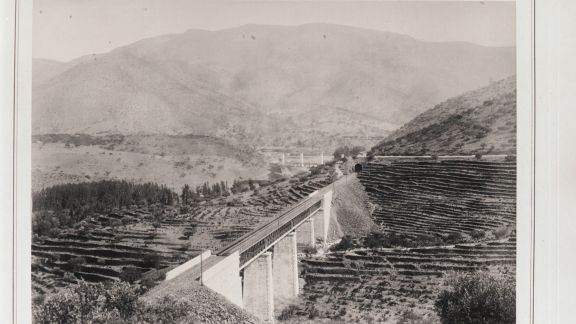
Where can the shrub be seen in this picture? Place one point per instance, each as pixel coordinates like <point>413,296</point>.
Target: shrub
<point>456,237</point>
<point>478,298</point>
<point>502,232</point>
<point>477,234</point>
<point>377,240</point>
<point>288,313</point>
<point>510,158</point>
<point>152,260</point>
<point>88,303</point>
<point>313,312</point>
<point>387,240</point>
<point>478,156</point>
<point>184,247</point>
<point>166,310</point>
<point>77,263</point>
<point>130,274</point>
<point>310,250</point>
<point>345,243</point>
<point>151,278</point>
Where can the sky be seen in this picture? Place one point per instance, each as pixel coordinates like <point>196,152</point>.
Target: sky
<point>67,29</point>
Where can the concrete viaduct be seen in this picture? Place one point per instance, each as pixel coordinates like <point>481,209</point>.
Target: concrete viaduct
<point>262,266</point>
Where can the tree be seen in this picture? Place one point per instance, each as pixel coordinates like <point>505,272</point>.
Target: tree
<point>186,195</point>
<point>478,298</point>
<point>357,150</point>
<point>342,150</point>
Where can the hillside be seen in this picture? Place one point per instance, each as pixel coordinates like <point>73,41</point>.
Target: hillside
<point>255,82</point>
<point>435,220</point>
<point>481,121</point>
<point>170,160</point>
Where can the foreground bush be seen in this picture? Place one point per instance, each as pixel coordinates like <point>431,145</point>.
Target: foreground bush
<point>119,303</point>
<point>478,298</point>
<point>89,303</point>
<point>113,303</point>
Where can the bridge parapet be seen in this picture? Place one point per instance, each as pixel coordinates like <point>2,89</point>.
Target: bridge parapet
<point>265,237</point>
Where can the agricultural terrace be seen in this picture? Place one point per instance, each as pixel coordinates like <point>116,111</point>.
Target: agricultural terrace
<point>436,219</point>
<point>147,240</point>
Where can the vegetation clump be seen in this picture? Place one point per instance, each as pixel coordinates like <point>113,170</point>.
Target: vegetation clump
<point>345,151</point>
<point>478,298</point>
<point>66,205</point>
<point>346,243</point>
<point>376,240</point>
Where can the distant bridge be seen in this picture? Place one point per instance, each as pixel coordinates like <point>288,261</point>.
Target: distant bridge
<point>301,159</point>
<point>262,265</point>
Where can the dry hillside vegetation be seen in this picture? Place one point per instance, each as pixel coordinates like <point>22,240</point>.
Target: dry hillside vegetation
<point>172,160</point>
<point>481,121</point>
<point>353,209</point>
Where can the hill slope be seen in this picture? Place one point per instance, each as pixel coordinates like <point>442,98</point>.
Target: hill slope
<point>248,81</point>
<point>481,121</point>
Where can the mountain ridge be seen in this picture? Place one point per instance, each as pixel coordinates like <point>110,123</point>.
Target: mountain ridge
<point>237,81</point>
<point>482,121</point>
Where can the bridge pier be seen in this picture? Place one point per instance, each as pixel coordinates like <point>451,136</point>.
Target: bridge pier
<point>322,218</point>
<point>305,232</point>
<point>258,288</point>
<point>285,268</point>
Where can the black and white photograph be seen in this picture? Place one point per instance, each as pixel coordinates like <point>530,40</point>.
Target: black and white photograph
<point>273,162</point>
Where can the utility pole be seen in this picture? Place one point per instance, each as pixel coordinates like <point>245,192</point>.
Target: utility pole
<point>302,159</point>
<point>322,157</point>
<point>283,159</point>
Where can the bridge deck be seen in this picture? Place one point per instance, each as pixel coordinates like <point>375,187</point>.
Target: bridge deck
<point>257,241</point>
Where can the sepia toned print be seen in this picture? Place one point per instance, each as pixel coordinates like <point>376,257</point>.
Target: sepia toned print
<point>275,162</point>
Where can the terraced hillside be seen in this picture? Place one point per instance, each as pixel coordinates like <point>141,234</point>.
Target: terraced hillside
<point>380,285</point>
<point>436,218</point>
<point>144,238</point>
<point>442,197</point>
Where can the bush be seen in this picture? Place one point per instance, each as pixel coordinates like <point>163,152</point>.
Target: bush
<point>477,234</point>
<point>288,313</point>
<point>166,310</point>
<point>313,312</point>
<point>345,243</point>
<point>151,278</point>
<point>478,156</point>
<point>502,232</point>
<point>387,240</point>
<point>510,158</point>
<point>310,250</point>
<point>184,247</point>
<point>130,274</point>
<point>478,298</point>
<point>77,263</point>
<point>89,303</point>
<point>456,237</point>
<point>152,260</point>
